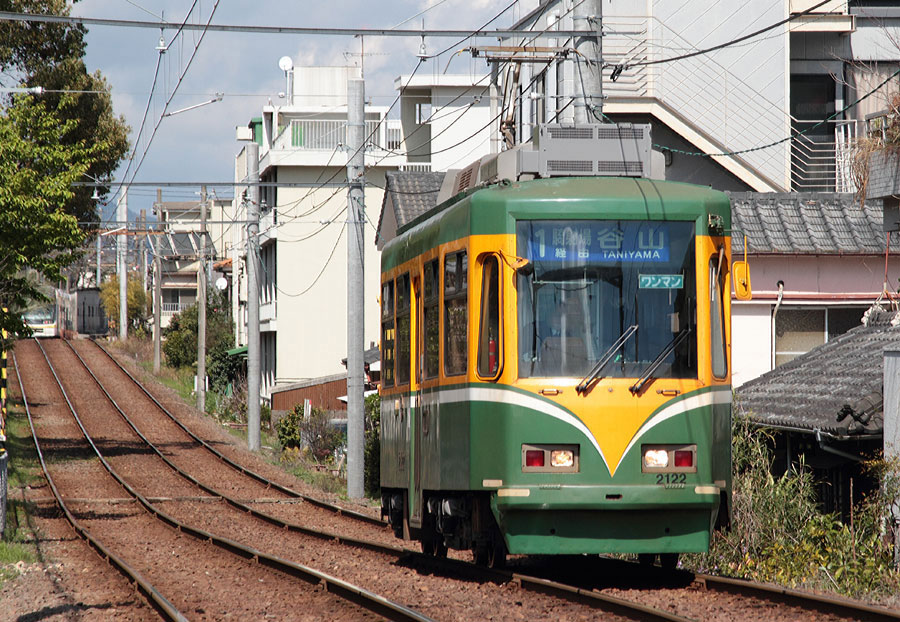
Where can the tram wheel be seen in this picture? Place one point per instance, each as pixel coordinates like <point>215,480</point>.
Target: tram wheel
<point>496,554</point>
<point>646,559</point>
<point>669,561</point>
<point>480,554</point>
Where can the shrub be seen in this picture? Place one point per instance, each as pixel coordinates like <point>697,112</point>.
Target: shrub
<point>779,535</point>
<point>314,432</point>
<point>372,475</point>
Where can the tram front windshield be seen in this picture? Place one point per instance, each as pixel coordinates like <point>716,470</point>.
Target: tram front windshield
<point>591,282</point>
<point>40,315</point>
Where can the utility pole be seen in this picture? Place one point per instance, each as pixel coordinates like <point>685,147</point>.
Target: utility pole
<point>495,108</point>
<point>588,54</point>
<point>253,358</point>
<point>157,311</point>
<point>121,251</point>
<point>143,247</point>
<point>356,130</point>
<point>201,308</point>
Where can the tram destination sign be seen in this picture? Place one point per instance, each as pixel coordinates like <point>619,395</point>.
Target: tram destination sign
<point>592,242</point>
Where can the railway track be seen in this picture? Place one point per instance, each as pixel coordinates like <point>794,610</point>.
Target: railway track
<point>403,560</point>
<point>247,564</point>
<point>588,595</point>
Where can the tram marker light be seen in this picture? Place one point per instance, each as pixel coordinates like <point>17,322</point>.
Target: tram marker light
<point>684,458</point>
<point>656,458</point>
<point>534,458</point>
<point>562,458</point>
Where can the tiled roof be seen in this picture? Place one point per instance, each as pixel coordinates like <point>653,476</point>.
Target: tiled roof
<point>411,194</point>
<point>807,223</point>
<point>835,388</point>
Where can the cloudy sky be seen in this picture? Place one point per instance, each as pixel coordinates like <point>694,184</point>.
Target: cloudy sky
<point>199,145</point>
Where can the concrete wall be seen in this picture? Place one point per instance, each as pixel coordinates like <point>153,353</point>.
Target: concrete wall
<point>312,318</point>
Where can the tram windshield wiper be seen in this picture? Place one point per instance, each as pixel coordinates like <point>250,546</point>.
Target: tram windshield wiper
<point>606,358</point>
<point>648,372</point>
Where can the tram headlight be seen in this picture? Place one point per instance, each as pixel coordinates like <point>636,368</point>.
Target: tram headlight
<point>656,458</point>
<point>562,458</point>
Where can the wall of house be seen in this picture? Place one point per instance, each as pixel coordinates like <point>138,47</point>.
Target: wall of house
<point>462,113</point>
<point>842,285</point>
<point>311,255</point>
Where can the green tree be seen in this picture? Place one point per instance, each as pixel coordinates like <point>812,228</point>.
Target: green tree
<point>138,302</point>
<point>181,340</point>
<point>49,55</point>
<point>372,475</point>
<point>38,164</point>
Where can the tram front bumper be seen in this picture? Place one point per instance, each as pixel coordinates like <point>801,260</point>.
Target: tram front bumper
<point>606,519</point>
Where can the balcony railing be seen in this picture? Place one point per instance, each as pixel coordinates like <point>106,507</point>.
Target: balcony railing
<point>821,160</point>
<point>171,308</point>
<point>327,135</point>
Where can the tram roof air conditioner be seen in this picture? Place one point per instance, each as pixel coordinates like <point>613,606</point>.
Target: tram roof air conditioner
<point>596,149</point>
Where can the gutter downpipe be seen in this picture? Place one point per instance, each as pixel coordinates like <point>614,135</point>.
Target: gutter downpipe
<point>832,450</point>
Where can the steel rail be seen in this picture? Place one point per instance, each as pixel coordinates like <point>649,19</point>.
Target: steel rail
<point>248,472</point>
<point>360,596</point>
<point>153,596</point>
<point>804,600</point>
<point>534,584</point>
<point>243,507</point>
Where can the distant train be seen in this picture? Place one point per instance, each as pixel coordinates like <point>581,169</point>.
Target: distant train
<point>556,361</point>
<point>70,313</point>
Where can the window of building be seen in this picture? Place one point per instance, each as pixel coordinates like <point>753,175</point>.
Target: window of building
<point>423,112</point>
<point>799,330</point>
<point>489,331</point>
<point>431,336</point>
<point>455,313</point>
<point>387,334</point>
<point>403,330</point>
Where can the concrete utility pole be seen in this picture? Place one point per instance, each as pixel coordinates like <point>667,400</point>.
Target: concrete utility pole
<point>588,75</point>
<point>122,270</point>
<point>157,311</point>
<point>201,308</point>
<point>356,135</point>
<point>253,358</point>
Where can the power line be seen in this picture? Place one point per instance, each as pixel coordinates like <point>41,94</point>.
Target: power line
<point>278,30</point>
<point>175,90</point>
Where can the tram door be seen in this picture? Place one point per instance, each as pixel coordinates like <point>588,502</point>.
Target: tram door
<point>415,514</point>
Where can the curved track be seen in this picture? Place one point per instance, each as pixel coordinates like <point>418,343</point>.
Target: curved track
<point>372,555</point>
<point>234,563</point>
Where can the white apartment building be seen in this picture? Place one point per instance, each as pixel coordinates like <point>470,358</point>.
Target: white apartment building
<point>303,312</point>
<point>760,101</point>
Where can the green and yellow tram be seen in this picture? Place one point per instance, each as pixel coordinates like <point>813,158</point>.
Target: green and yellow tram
<point>556,369</point>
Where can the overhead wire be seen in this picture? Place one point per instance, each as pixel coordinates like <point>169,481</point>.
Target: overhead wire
<point>174,90</point>
<point>137,139</point>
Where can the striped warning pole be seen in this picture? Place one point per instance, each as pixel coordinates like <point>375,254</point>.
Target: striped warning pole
<point>4,457</point>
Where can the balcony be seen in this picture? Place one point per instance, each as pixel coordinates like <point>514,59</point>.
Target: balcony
<point>328,135</point>
<point>171,308</point>
<point>830,17</point>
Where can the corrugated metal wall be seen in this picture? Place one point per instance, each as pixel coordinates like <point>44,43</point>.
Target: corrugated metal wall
<point>322,396</point>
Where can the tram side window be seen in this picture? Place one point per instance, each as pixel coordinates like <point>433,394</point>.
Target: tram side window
<point>456,268</point>
<point>432,320</point>
<point>403,330</point>
<point>387,334</point>
<point>717,319</point>
<point>489,332</point>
